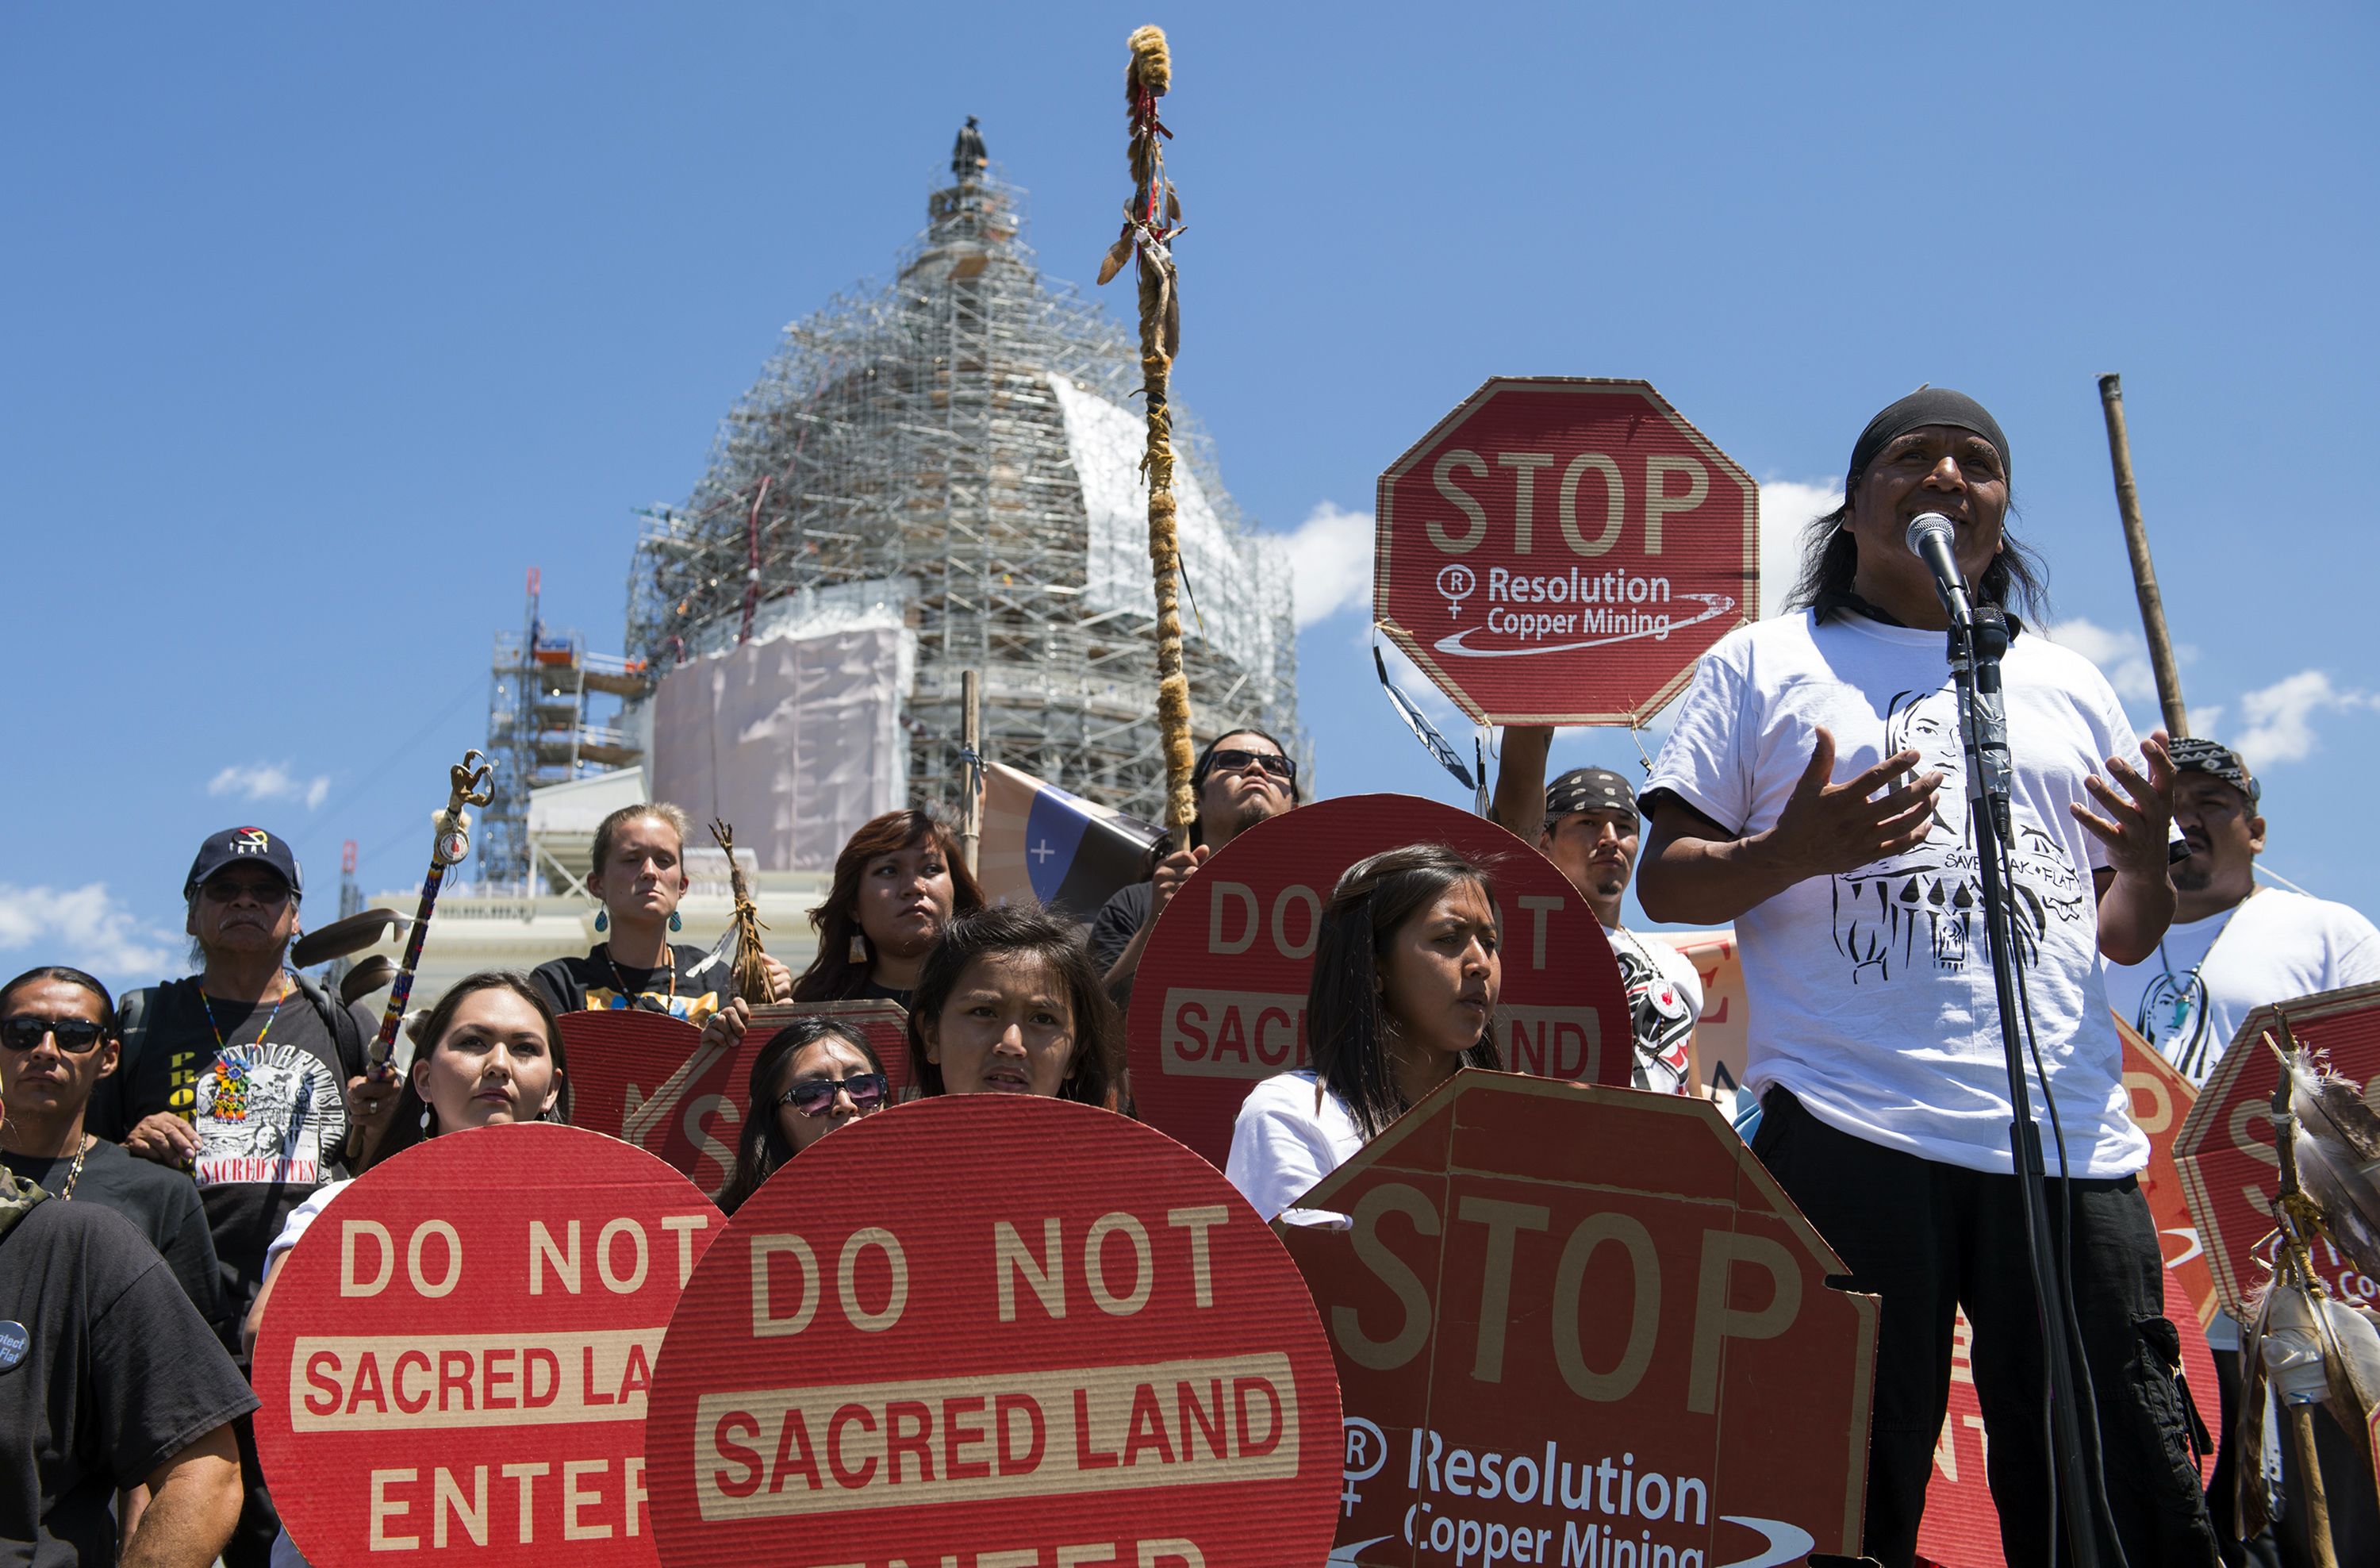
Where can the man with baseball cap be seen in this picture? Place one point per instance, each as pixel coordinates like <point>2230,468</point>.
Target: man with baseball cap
<point>238,1075</point>
<point>2234,946</point>
<point>1586,824</point>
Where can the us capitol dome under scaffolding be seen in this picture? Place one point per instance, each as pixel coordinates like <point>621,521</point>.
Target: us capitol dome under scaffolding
<point>939,475</point>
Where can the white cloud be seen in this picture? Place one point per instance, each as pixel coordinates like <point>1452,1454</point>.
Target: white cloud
<point>2122,657</point>
<point>1787,508</point>
<point>270,781</point>
<point>1329,563</point>
<point>84,927</point>
<point>2280,718</point>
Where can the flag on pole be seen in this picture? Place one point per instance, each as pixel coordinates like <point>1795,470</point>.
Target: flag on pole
<point>1041,842</point>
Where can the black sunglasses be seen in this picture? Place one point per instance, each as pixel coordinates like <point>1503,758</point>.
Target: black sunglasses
<point>1232,759</point>
<point>24,1031</point>
<point>813,1096</point>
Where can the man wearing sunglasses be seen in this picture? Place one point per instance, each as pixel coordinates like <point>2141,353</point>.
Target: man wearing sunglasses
<point>109,1381</point>
<point>58,1042</point>
<point>237,1075</point>
<point>1242,777</point>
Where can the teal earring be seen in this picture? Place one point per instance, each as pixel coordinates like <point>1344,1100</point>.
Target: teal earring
<point>602,920</point>
<point>676,924</point>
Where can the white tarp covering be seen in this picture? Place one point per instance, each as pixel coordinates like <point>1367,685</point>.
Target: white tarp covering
<point>1237,579</point>
<point>795,740</point>
<point>580,806</point>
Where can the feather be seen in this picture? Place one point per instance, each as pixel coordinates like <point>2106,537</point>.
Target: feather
<point>2337,1147</point>
<point>1118,254</point>
<point>1173,203</point>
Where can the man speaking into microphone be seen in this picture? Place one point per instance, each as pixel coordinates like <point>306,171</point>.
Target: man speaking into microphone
<point>1814,793</point>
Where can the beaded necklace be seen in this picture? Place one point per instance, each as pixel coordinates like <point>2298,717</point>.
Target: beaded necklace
<point>633,1000</point>
<point>74,1175</point>
<point>222,1044</point>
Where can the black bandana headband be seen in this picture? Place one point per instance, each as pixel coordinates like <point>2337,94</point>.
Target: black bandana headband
<point>2193,754</point>
<point>1926,405</point>
<point>1587,789</point>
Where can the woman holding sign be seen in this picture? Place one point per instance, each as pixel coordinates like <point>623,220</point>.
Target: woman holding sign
<point>1008,1003</point>
<point>639,871</point>
<point>1406,973</point>
<point>897,884</point>
<point>812,1077</point>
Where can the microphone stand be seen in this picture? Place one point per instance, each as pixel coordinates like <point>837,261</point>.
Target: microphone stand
<point>1978,637</point>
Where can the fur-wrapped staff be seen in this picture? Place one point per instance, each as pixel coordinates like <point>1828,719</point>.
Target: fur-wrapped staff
<point>1152,221</point>
<point>2309,1347</point>
<point>450,841</point>
<point>752,980</point>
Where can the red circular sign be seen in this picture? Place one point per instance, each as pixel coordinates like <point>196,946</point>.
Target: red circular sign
<point>1219,1001</point>
<point>456,1359</point>
<point>1561,550</point>
<point>1007,1330</point>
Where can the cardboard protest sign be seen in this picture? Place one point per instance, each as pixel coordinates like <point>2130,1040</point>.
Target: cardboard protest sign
<point>993,1330</point>
<point>1962,1527</point>
<point>1720,1037</point>
<point>1581,1325</point>
<point>2161,1097</point>
<point>456,1360</point>
<point>1220,1000</point>
<point>2229,1171</point>
<point>1559,550</point>
<point>648,1079</point>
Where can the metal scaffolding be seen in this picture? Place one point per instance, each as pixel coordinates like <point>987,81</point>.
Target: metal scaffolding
<point>960,442</point>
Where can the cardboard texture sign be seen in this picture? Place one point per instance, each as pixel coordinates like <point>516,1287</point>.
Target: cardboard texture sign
<point>648,1079</point>
<point>2229,1171</point>
<point>455,1363</point>
<point>1722,1034</point>
<point>993,1331</point>
<point>2161,1098</point>
<point>1559,550</point>
<point>1220,1000</point>
<point>1584,1326</point>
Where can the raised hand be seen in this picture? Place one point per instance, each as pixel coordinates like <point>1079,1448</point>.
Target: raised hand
<point>2138,819</point>
<point>1826,829</point>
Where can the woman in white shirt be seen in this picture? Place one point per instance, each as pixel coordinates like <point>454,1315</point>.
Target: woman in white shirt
<point>1406,973</point>
<point>487,1053</point>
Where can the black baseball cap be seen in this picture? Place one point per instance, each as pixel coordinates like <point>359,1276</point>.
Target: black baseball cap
<point>243,846</point>
<point>2193,754</point>
<point>1587,789</point>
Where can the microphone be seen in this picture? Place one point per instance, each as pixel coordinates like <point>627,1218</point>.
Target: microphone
<point>1930,535</point>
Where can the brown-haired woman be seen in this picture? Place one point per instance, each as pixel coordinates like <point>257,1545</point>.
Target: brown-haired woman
<point>897,884</point>
<point>1008,1003</point>
<point>1407,974</point>
<point>639,871</point>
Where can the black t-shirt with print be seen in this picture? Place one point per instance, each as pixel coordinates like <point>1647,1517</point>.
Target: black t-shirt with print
<point>120,1374</point>
<point>593,983</point>
<point>162,1205</point>
<point>271,1118</point>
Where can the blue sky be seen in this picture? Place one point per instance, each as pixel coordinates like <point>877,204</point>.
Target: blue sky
<point>322,326</point>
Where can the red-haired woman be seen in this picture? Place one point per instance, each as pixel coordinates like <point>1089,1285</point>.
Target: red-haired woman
<point>897,884</point>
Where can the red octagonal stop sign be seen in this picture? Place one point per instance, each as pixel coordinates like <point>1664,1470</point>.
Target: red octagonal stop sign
<point>1559,550</point>
<point>988,1331</point>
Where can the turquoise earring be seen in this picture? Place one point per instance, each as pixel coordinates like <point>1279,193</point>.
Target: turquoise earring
<point>602,920</point>
<point>676,924</point>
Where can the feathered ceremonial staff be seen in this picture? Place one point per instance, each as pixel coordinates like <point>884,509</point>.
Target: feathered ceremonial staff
<point>450,841</point>
<point>2307,1346</point>
<point>745,927</point>
<point>1152,221</point>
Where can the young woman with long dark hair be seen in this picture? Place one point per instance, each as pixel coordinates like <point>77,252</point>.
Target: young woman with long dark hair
<point>1407,969</point>
<point>1008,1003</point>
<point>898,881</point>
<point>813,1075</point>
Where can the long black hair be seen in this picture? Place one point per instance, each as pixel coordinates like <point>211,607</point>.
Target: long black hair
<point>762,1147</point>
<point>834,974</point>
<point>1346,1029</point>
<point>411,1121</point>
<point>1098,1063</point>
<point>2017,580</point>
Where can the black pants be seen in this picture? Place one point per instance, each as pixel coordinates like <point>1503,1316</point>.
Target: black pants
<point>1929,1238</point>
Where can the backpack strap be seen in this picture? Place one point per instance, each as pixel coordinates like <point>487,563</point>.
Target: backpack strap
<point>345,1033</point>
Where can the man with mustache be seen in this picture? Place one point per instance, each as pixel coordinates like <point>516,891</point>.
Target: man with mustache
<point>2232,947</point>
<point>237,1075</point>
<point>1586,824</point>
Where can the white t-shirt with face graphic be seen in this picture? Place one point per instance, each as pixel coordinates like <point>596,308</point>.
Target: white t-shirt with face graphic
<point>1872,992</point>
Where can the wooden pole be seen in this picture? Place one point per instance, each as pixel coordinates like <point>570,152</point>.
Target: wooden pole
<point>971,741</point>
<point>1152,220</point>
<point>2136,542</point>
